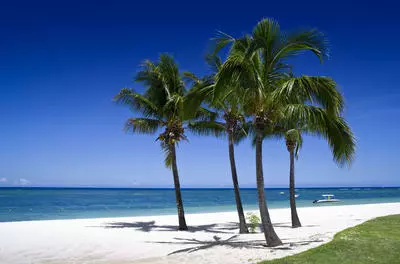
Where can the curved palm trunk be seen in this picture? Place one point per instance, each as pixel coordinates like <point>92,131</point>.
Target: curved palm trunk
<point>295,217</point>
<point>178,196</point>
<point>242,221</point>
<point>270,236</point>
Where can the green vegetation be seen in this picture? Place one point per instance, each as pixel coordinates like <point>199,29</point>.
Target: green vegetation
<point>252,91</point>
<point>164,106</point>
<point>254,221</point>
<point>231,125</point>
<point>376,241</point>
<point>258,71</point>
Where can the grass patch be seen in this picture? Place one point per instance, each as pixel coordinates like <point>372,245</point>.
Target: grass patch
<point>375,241</point>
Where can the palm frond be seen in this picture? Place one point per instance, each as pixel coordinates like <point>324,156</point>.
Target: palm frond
<point>174,106</point>
<point>298,42</point>
<point>341,140</point>
<point>137,102</point>
<point>207,128</point>
<point>167,153</point>
<point>191,77</point>
<point>200,92</point>
<point>270,132</point>
<point>221,40</point>
<point>142,125</point>
<point>265,36</point>
<point>316,121</point>
<point>300,115</point>
<point>214,62</point>
<point>320,90</point>
<point>235,72</point>
<point>299,145</point>
<point>150,76</point>
<point>148,73</point>
<point>169,72</point>
<point>205,114</point>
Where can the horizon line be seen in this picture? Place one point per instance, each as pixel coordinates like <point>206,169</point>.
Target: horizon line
<point>187,188</point>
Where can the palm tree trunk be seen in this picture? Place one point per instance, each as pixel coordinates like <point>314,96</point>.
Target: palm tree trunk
<point>242,221</point>
<point>178,196</point>
<point>270,236</point>
<point>295,217</point>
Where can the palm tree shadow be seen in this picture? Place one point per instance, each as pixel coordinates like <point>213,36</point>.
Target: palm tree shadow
<point>231,242</point>
<point>222,228</point>
<point>152,226</point>
<point>217,241</point>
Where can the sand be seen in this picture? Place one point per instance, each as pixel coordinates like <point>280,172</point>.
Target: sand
<point>213,237</point>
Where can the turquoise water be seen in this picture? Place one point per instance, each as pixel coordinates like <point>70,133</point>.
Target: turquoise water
<point>22,204</point>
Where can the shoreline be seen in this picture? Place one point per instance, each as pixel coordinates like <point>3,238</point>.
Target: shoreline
<point>212,237</point>
<point>255,210</point>
<point>56,204</point>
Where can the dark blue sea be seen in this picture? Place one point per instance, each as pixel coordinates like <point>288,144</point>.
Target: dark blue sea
<point>23,204</point>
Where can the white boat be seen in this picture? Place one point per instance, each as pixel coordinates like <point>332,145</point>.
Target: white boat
<point>328,198</point>
<point>296,195</point>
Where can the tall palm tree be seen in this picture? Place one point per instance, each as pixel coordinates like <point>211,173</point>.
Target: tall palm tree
<point>163,106</point>
<point>316,117</point>
<point>255,68</point>
<point>336,131</point>
<point>232,125</point>
<point>293,142</point>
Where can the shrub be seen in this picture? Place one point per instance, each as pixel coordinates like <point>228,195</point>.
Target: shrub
<point>254,221</point>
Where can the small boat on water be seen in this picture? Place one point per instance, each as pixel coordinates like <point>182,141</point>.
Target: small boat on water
<point>296,195</point>
<point>328,198</point>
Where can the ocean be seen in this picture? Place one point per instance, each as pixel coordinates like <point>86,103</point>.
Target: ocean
<point>25,204</point>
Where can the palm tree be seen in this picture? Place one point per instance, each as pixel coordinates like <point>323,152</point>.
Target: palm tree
<point>233,126</point>
<point>293,142</point>
<point>319,117</point>
<point>255,68</point>
<point>342,142</point>
<point>163,106</point>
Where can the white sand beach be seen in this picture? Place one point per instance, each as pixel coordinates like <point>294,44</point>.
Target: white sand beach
<point>213,237</point>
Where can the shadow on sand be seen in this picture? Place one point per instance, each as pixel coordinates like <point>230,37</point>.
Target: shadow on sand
<point>231,242</point>
<point>223,228</point>
<point>152,226</point>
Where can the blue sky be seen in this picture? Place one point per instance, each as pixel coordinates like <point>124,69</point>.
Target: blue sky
<point>61,62</point>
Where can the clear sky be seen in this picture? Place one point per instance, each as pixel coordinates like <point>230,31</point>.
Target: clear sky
<point>61,62</point>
